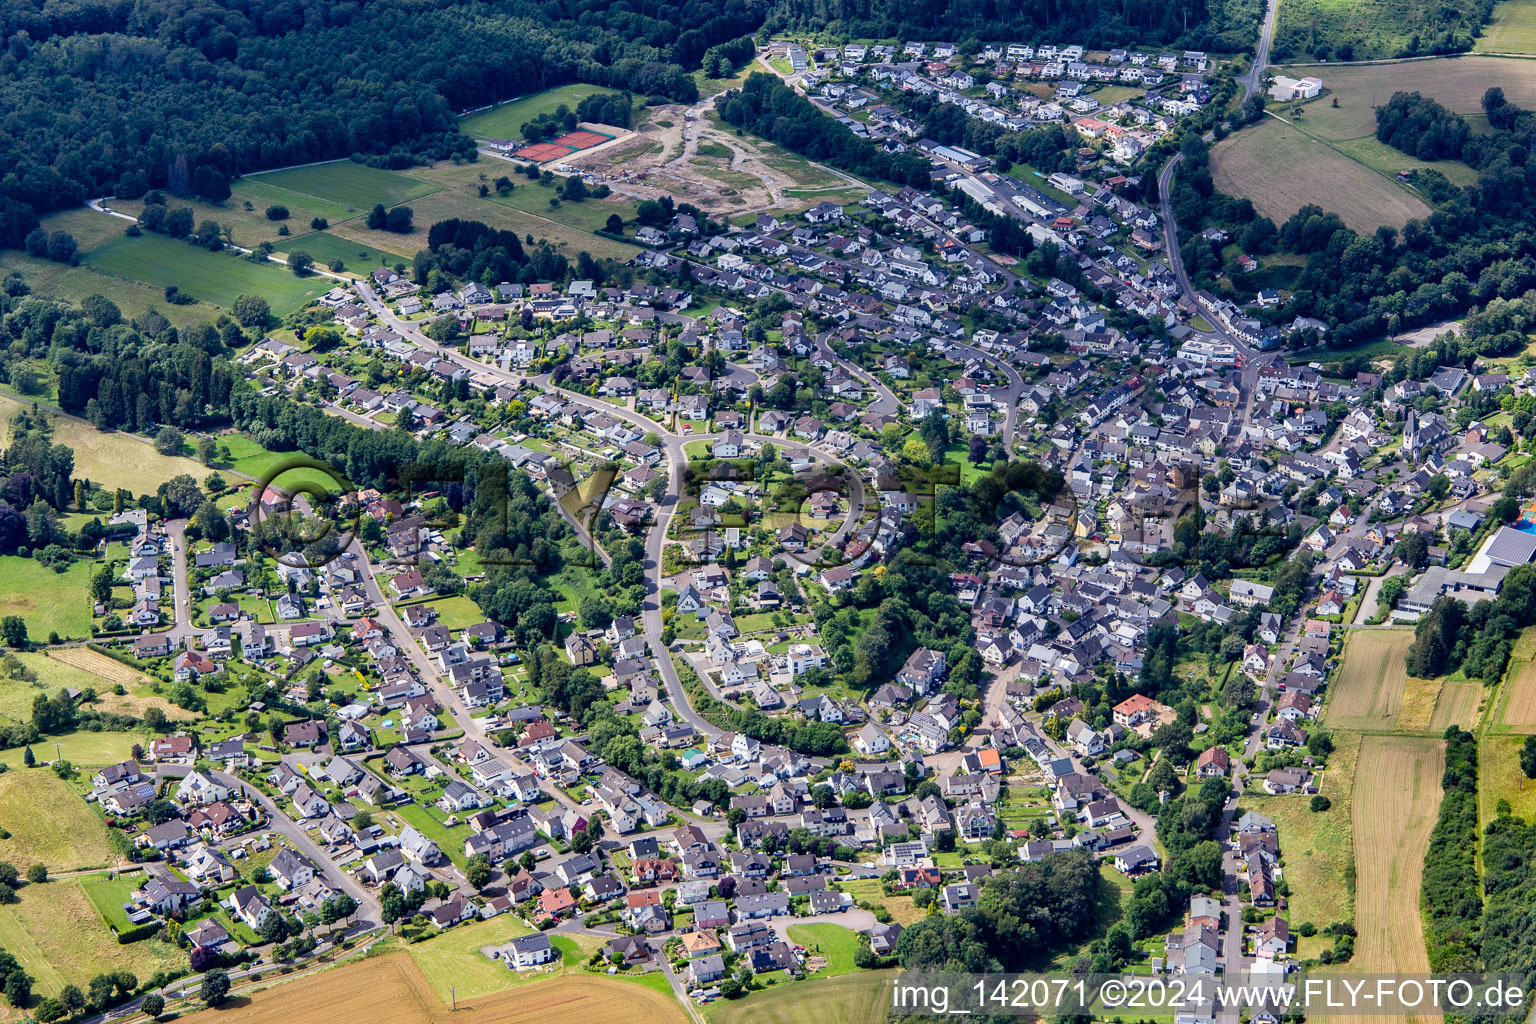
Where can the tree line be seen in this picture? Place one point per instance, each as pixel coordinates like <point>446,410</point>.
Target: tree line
<point>766,107</point>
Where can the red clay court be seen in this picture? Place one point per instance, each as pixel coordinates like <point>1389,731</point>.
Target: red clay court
<point>582,139</point>
<point>543,152</point>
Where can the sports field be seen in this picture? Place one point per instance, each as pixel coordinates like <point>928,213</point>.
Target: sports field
<point>1512,29</point>
<point>1367,689</point>
<point>1397,795</point>
<point>57,934</point>
<point>1281,168</point>
<point>506,120</point>
<point>49,823</point>
<point>392,990</point>
<point>51,602</point>
<point>217,278</point>
<point>108,459</point>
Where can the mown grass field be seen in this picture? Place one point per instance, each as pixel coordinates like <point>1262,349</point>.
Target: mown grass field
<point>60,939</point>
<point>1367,689</point>
<point>288,470</point>
<point>215,278</point>
<point>347,186</point>
<point>49,823</point>
<point>1317,848</point>
<point>108,459</point>
<point>108,893</point>
<point>81,748</point>
<point>326,248</point>
<point>1499,778</point>
<point>51,602</point>
<point>833,941</point>
<point>851,999</point>
<point>506,120</point>
<point>1512,29</point>
<point>1262,163</point>
<point>1397,795</point>
<point>457,612</point>
<point>550,225</point>
<point>64,283</point>
<point>453,960</point>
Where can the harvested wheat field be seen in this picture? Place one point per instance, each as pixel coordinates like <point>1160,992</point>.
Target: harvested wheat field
<point>1520,703</point>
<point>392,990</point>
<point>81,667</point>
<point>1397,795</point>
<point>1259,163</point>
<point>1367,692</point>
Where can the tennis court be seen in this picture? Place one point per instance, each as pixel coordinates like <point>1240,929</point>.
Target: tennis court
<point>543,152</point>
<point>564,146</point>
<point>582,139</point>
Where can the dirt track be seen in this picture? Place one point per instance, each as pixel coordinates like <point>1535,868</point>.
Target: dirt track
<point>664,160</point>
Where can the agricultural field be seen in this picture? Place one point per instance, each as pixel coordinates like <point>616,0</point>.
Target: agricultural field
<point>108,459</point>
<point>80,667</point>
<point>1317,848</point>
<point>215,278</point>
<point>392,990</point>
<point>851,999</point>
<point>1367,690</point>
<point>506,120</point>
<point>49,823</point>
<point>1512,29</point>
<point>1259,163</point>
<point>1430,705</point>
<point>55,931</point>
<point>1500,778</point>
<point>51,602</point>
<point>1518,700</point>
<point>1397,795</point>
<point>1457,83</point>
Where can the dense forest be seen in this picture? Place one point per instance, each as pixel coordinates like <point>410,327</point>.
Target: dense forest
<point>766,107</point>
<point>1448,893</point>
<point>116,97</point>
<point>1224,25</point>
<point>1509,892</point>
<point>1373,29</point>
